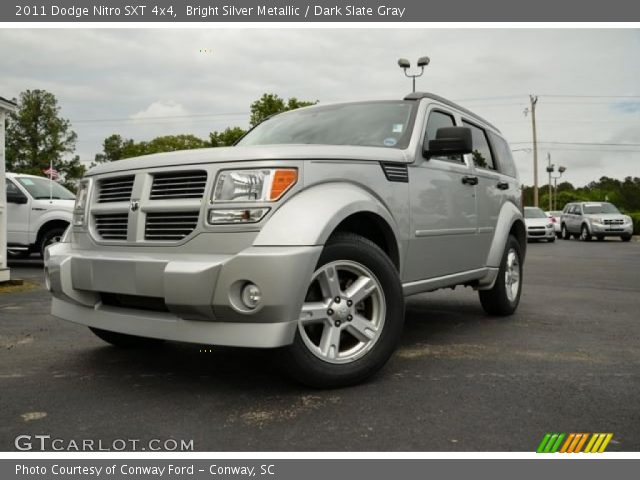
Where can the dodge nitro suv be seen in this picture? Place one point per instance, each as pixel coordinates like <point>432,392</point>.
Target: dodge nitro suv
<point>306,235</point>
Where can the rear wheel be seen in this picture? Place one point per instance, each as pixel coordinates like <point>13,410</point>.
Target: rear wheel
<point>585,235</point>
<point>352,317</point>
<point>565,233</point>
<point>504,297</point>
<point>125,341</point>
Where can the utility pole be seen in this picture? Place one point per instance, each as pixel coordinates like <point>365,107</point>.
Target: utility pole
<point>550,169</point>
<point>534,101</point>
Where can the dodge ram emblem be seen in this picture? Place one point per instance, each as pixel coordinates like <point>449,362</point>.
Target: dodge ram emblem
<point>135,205</point>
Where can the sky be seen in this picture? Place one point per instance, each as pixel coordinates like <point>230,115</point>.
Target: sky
<point>143,83</point>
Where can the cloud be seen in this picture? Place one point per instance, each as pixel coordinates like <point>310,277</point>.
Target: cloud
<point>118,80</point>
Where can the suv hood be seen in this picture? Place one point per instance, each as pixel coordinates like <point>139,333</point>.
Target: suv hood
<point>264,152</point>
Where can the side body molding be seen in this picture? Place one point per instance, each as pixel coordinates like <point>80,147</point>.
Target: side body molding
<point>311,216</point>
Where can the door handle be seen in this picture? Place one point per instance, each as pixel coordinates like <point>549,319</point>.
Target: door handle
<point>502,186</point>
<point>470,180</point>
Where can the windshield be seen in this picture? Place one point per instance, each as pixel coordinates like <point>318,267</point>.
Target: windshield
<point>531,212</point>
<point>385,124</point>
<point>41,188</point>
<point>591,208</point>
<point>555,213</point>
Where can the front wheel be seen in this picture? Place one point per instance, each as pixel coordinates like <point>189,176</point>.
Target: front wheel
<point>504,297</point>
<point>50,237</point>
<point>565,233</point>
<point>626,238</point>
<point>585,235</point>
<point>352,316</point>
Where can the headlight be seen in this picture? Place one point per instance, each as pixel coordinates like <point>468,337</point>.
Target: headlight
<point>80,207</point>
<point>263,185</point>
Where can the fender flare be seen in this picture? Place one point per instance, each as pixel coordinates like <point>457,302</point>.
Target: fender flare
<point>508,216</point>
<point>310,217</point>
<point>50,216</point>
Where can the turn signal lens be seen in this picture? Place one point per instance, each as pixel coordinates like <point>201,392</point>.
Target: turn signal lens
<point>283,179</point>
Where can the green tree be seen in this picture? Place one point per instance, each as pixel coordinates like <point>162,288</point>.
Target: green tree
<point>270,104</point>
<point>227,137</point>
<point>37,136</point>
<point>115,147</point>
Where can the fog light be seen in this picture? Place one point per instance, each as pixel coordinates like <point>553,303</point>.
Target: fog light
<point>251,295</point>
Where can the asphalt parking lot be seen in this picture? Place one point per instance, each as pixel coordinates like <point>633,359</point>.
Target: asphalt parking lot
<point>568,361</point>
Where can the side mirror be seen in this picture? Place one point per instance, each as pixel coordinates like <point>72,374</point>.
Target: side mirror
<point>14,197</point>
<point>450,141</point>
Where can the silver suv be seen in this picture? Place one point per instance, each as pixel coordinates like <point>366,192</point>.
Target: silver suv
<point>306,235</point>
<point>586,220</point>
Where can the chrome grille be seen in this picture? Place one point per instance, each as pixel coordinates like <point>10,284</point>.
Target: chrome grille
<point>614,222</point>
<point>170,226</point>
<point>178,185</point>
<point>112,226</point>
<point>115,189</point>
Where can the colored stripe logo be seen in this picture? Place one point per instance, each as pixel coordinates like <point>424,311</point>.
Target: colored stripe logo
<point>574,443</point>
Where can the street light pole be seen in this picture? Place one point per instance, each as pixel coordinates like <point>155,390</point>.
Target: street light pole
<point>534,100</point>
<point>405,65</point>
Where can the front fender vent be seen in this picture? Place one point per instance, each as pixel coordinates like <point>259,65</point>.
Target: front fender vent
<point>396,172</point>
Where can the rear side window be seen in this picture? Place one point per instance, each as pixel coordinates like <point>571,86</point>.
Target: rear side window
<point>438,119</point>
<point>504,159</point>
<point>481,154</point>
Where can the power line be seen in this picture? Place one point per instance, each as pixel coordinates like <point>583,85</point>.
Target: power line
<point>583,144</point>
<point>142,120</point>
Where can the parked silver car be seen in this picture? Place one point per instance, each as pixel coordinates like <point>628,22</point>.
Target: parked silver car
<point>539,225</point>
<point>306,235</point>
<point>586,220</point>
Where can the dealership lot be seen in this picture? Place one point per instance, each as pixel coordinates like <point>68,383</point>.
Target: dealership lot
<point>568,361</point>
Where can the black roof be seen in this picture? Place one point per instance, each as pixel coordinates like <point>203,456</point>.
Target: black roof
<point>438,98</point>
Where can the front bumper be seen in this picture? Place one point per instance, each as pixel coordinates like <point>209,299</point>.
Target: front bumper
<point>611,230</point>
<point>540,233</point>
<point>199,294</point>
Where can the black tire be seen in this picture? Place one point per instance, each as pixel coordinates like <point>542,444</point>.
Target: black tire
<point>600,237</point>
<point>496,301</point>
<point>123,340</point>
<point>625,238</point>
<point>50,237</point>
<point>307,367</point>
<point>585,235</point>
<point>551,240</point>
<point>565,233</point>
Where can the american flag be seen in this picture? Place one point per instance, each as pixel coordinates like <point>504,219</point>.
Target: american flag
<point>52,173</point>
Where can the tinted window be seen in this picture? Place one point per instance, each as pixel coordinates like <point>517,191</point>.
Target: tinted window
<point>438,120</point>
<point>374,124</point>
<point>481,154</point>
<point>504,158</point>
<point>12,189</point>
